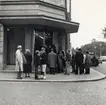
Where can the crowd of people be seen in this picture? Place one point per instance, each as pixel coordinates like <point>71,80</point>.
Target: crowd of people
<point>48,58</point>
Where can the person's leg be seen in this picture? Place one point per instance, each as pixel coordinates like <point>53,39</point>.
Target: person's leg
<point>36,72</point>
<point>53,71</point>
<point>25,74</point>
<point>19,75</point>
<point>88,70</point>
<point>28,74</point>
<point>81,68</point>
<point>44,71</point>
<point>50,70</point>
<point>76,71</point>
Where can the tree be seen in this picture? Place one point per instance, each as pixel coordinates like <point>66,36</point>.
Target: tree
<point>104,32</point>
<point>93,40</point>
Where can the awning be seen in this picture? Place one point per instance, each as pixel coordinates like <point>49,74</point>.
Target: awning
<point>68,26</point>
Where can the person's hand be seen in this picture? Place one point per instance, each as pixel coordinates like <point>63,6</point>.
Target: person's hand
<point>38,66</point>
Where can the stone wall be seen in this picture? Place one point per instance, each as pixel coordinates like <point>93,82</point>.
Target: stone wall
<point>30,10</point>
<point>1,45</point>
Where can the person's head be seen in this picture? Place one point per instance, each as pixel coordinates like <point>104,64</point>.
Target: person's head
<point>37,52</point>
<point>87,52</point>
<point>79,50</point>
<point>27,51</point>
<point>68,51</point>
<point>43,49</point>
<point>19,47</point>
<point>52,49</point>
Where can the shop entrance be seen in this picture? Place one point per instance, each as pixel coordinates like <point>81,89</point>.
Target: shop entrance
<point>43,38</point>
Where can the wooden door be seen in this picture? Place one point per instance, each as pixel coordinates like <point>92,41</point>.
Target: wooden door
<point>15,37</point>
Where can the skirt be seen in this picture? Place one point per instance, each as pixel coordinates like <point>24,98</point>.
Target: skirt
<point>27,68</point>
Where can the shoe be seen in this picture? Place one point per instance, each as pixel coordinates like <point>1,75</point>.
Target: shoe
<point>19,77</point>
<point>86,73</point>
<point>29,76</point>
<point>36,77</point>
<point>26,76</point>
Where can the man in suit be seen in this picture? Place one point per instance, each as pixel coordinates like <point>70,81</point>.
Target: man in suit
<point>52,61</point>
<point>79,61</point>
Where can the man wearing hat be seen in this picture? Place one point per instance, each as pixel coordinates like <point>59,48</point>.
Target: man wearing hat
<point>79,61</point>
<point>19,61</point>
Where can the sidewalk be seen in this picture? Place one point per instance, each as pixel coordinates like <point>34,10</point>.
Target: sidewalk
<point>93,76</point>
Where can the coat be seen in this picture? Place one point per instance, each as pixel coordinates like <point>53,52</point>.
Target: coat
<point>79,58</point>
<point>87,61</point>
<point>44,58</point>
<point>52,59</point>
<point>28,64</point>
<point>37,61</point>
<point>19,60</point>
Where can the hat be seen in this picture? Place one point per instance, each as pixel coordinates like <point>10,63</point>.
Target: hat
<point>19,46</point>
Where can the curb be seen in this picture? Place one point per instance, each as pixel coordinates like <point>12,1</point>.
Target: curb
<point>53,81</point>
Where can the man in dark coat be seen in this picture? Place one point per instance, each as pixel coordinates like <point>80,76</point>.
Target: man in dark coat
<point>73,62</point>
<point>52,61</point>
<point>79,61</point>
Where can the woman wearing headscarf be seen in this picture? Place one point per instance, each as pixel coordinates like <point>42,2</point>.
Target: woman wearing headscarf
<point>61,61</point>
<point>27,65</point>
<point>87,63</point>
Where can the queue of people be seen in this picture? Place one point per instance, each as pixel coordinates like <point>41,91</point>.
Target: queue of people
<point>56,62</point>
<point>81,62</point>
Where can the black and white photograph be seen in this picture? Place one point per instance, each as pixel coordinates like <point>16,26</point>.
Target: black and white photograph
<point>52,52</point>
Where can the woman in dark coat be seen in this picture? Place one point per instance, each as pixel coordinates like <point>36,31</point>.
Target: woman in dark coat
<point>27,66</point>
<point>61,61</point>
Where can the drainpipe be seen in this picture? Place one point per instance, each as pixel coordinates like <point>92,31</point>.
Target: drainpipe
<point>68,19</point>
<point>69,10</point>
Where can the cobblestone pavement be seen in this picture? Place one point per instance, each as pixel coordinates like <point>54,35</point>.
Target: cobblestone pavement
<point>83,93</point>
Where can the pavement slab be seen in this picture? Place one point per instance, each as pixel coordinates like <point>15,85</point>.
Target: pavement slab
<point>93,76</point>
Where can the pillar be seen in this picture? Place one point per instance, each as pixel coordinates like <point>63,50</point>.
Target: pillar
<point>62,41</point>
<point>69,10</point>
<point>55,40</point>
<point>1,45</point>
<point>28,38</point>
<point>68,42</point>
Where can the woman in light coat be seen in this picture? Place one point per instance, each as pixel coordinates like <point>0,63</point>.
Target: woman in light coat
<point>19,61</point>
<point>87,63</point>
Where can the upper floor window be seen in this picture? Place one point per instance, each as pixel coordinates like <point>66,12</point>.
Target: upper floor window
<point>56,2</point>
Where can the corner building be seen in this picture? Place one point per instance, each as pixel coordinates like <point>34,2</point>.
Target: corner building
<point>32,23</point>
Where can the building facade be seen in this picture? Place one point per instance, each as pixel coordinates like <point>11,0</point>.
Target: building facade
<point>32,23</point>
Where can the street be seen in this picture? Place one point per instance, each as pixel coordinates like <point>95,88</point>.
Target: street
<point>40,93</point>
<point>101,68</point>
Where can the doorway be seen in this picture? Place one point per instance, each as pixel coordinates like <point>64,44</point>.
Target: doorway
<point>15,37</point>
<point>42,38</point>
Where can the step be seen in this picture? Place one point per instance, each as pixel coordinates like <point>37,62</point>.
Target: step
<point>10,67</point>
